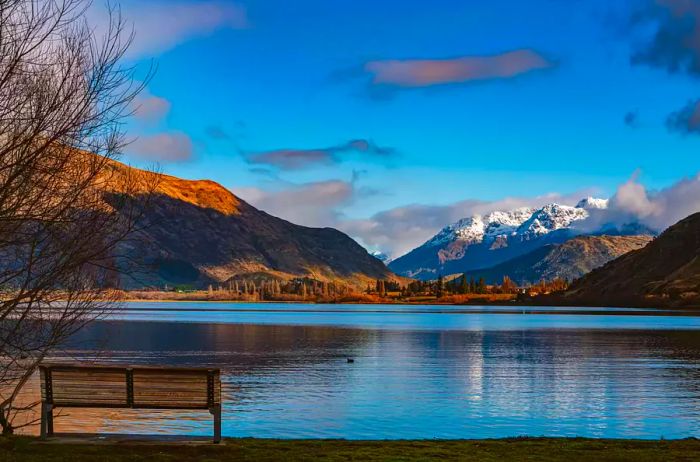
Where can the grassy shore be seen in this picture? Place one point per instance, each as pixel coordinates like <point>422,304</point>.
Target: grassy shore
<point>527,449</point>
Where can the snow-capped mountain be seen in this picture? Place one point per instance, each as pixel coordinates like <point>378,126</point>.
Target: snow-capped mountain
<point>477,228</point>
<point>484,241</point>
<point>525,222</point>
<point>593,203</point>
<point>384,258</point>
<point>550,218</point>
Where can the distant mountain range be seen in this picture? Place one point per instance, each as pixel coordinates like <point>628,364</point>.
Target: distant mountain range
<point>199,233</point>
<point>480,242</point>
<point>664,273</point>
<point>569,260</point>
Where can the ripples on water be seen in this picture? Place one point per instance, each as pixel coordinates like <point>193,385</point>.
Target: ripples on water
<point>415,375</point>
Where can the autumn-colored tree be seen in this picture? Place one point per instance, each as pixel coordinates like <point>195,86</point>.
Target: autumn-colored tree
<point>481,286</point>
<point>439,286</point>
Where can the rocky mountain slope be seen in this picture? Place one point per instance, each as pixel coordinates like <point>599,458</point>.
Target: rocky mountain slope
<point>198,232</point>
<point>664,273</point>
<point>485,241</point>
<point>569,260</point>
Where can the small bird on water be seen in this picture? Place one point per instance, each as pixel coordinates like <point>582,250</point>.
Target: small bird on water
<point>351,360</point>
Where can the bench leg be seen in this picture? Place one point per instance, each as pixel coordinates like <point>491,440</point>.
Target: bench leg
<point>216,412</point>
<point>46,420</point>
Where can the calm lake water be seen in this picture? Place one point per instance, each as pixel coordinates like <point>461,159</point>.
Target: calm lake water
<point>419,371</point>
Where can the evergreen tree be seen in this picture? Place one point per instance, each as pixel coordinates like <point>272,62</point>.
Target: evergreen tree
<point>463,288</point>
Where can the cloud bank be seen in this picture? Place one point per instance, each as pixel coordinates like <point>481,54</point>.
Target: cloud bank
<point>161,25</point>
<point>657,210</point>
<point>429,72</point>
<point>401,229</point>
<point>686,120</point>
<point>398,230</point>
<point>674,41</point>
<point>149,108</point>
<point>308,204</point>
<point>297,159</point>
<point>394,231</point>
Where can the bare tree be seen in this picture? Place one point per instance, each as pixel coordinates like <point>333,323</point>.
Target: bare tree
<point>65,204</point>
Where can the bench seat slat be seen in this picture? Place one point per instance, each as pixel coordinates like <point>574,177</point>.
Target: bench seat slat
<point>90,376</point>
<point>109,405</point>
<point>159,386</point>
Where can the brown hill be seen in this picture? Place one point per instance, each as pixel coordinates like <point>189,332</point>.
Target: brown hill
<point>198,232</point>
<point>664,273</point>
<point>569,260</point>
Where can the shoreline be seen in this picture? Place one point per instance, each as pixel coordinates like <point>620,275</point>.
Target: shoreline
<point>490,299</point>
<point>476,300</point>
<point>542,303</point>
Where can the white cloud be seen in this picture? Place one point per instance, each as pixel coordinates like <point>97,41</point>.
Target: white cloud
<point>658,210</point>
<point>161,25</point>
<point>308,204</point>
<point>428,72</point>
<point>167,147</point>
<point>631,198</point>
<point>150,108</point>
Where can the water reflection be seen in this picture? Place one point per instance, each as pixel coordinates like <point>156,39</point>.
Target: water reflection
<point>294,381</point>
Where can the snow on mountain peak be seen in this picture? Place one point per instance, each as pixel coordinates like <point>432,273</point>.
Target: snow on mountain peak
<point>467,229</point>
<point>477,227</point>
<point>381,256</point>
<point>525,222</point>
<point>592,203</point>
<point>550,218</point>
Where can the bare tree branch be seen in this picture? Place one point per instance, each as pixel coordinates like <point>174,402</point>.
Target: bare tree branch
<point>66,207</point>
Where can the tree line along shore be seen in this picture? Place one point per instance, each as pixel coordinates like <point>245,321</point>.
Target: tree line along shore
<point>455,290</point>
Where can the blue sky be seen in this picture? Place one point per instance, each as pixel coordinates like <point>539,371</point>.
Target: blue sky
<point>243,87</point>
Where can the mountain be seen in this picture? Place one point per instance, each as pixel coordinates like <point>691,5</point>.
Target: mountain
<point>382,257</point>
<point>569,260</point>
<point>485,241</point>
<point>664,273</point>
<point>198,233</point>
<point>589,203</point>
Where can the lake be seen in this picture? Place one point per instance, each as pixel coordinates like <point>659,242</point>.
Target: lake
<point>418,371</point>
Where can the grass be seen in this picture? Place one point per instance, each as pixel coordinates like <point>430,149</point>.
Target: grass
<point>246,449</point>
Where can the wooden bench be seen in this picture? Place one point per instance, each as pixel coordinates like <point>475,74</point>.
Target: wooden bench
<point>129,387</point>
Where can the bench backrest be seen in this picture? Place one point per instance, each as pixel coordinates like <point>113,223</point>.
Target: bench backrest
<point>126,387</point>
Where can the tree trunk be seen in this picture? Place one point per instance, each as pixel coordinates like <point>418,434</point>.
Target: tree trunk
<point>6,425</point>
